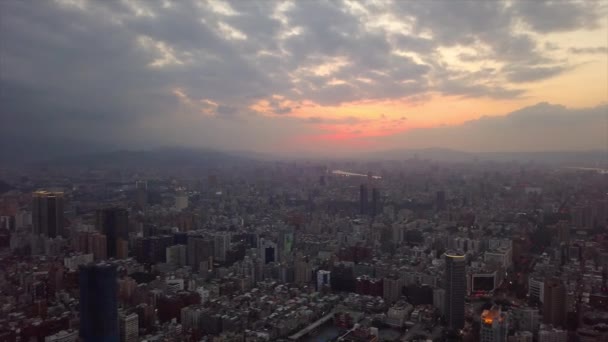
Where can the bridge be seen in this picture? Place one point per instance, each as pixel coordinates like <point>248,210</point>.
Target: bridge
<point>311,328</point>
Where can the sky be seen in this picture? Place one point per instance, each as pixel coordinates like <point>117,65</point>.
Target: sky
<point>306,77</point>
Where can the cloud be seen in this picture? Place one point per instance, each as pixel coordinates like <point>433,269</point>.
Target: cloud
<point>589,50</point>
<point>556,16</point>
<point>520,74</point>
<point>137,72</point>
<point>226,110</point>
<point>541,127</point>
<point>349,120</point>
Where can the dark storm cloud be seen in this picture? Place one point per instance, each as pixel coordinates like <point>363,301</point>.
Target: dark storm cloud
<point>55,78</point>
<point>551,16</point>
<point>134,70</point>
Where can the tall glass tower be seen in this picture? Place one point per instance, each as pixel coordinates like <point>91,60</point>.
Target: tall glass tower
<point>98,303</point>
<point>455,290</point>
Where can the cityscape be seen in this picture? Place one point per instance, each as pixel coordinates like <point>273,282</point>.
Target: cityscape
<point>411,250</point>
<point>303,170</point>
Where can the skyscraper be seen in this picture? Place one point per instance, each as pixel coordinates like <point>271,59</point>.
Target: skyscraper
<point>129,327</point>
<point>181,200</point>
<point>199,249</point>
<point>440,200</point>
<point>455,289</point>
<point>114,223</point>
<point>141,194</point>
<point>323,279</point>
<point>363,199</point>
<point>221,246</point>
<point>554,303</point>
<point>98,303</point>
<point>375,202</point>
<point>268,251</point>
<point>494,325</point>
<point>47,213</point>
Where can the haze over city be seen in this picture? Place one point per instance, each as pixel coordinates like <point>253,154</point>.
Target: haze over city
<point>317,78</point>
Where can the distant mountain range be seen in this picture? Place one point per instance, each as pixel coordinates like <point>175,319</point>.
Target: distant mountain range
<point>161,157</point>
<point>74,153</point>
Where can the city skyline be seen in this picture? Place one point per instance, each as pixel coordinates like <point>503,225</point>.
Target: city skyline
<point>314,77</point>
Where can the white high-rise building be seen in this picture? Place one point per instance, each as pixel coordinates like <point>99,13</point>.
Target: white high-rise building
<point>536,288</point>
<point>323,279</point>
<point>181,200</point>
<point>129,328</point>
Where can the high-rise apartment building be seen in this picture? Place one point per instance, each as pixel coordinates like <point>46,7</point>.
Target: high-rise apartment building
<point>114,224</point>
<point>199,249</point>
<point>494,325</point>
<point>323,279</point>
<point>141,195</point>
<point>176,255</point>
<point>98,303</point>
<point>303,272</point>
<point>554,303</point>
<point>363,199</point>
<point>47,213</point>
<point>549,333</point>
<point>440,202</point>
<point>455,290</point>
<point>393,288</point>
<point>221,246</point>
<point>129,327</point>
<point>268,251</point>
<point>181,200</point>
<point>375,210</point>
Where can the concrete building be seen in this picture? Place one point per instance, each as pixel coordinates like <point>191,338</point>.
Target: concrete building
<point>74,261</point>
<point>47,213</point>
<point>268,251</point>
<point>176,255</point>
<point>221,246</point>
<point>303,272</point>
<point>536,289</point>
<point>494,325</point>
<point>114,224</point>
<point>554,304</point>
<point>141,195</point>
<point>522,336</point>
<point>551,334</point>
<point>181,200</point>
<point>393,288</point>
<point>63,336</point>
<point>323,279</point>
<point>129,327</point>
<point>526,319</point>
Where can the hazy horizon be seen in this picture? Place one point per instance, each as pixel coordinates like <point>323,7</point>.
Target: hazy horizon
<point>311,78</point>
